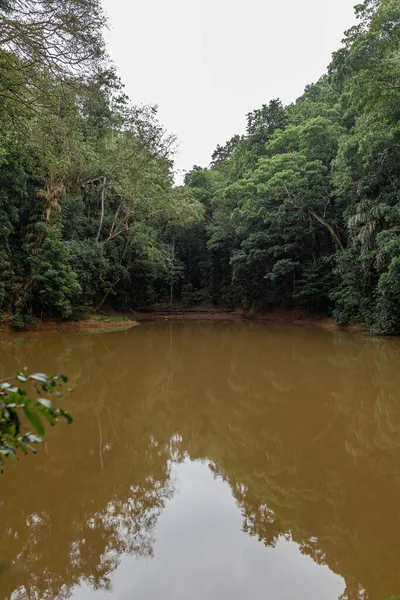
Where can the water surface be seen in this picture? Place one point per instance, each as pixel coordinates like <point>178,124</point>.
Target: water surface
<point>217,461</point>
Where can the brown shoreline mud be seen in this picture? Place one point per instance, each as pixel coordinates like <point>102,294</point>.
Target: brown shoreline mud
<point>95,323</point>
<point>110,320</point>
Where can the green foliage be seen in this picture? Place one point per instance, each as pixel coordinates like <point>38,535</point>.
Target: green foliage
<point>87,204</point>
<point>190,296</point>
<point>113,319</point>
<point>54,285</point>
<point>303,209</point>
<point>20,321</point>
<point>18,408</point>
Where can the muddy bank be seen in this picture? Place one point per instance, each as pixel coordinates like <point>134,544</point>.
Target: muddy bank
<point>112,320</point>
<point>97,322</point>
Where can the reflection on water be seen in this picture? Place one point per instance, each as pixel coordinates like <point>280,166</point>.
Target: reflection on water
<point>217,461</point>
<point>200,551</point>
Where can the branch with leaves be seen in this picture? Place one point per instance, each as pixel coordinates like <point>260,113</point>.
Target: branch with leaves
<point>18,408</point>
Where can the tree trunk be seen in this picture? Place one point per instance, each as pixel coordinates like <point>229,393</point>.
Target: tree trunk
<point>329,227</point>
<point>103,193</point>
<point>172,274</point>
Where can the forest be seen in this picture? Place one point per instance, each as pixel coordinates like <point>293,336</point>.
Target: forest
<point>302,210</point>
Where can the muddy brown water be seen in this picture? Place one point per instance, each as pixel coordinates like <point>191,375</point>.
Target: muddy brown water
<point>218,461</point>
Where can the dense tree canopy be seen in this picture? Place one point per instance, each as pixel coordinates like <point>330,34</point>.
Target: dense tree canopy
<point>87,203</point>
<point>301,210</point>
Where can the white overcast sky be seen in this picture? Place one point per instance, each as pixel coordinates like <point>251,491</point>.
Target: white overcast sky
<point>207,63</point>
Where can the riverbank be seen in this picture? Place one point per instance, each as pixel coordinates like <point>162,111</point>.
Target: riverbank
<point>113,320</point>
<point>96,322</point>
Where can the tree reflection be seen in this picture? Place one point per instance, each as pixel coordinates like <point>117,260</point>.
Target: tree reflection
<point>100,493</point>
<point>303,425</point>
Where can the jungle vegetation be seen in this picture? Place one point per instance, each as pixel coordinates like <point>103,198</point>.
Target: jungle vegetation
<point>302,210</point>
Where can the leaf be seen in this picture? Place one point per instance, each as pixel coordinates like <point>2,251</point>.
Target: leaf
<point>67,417</point>
<point>22,446</point>
<point>8,450</point>
<point>49,417</point>
<point>35,420</point>
<point>44,402</point>
<point>39,377</point>
<point>32,438</point>
<point>9,388</point>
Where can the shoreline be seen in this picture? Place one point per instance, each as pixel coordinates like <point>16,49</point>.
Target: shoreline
<point>285,316</point>
<point>113,321</point>
<point>95,323</point>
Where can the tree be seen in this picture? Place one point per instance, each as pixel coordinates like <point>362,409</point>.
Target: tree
<point>303,208</point>
<point>46,36</point>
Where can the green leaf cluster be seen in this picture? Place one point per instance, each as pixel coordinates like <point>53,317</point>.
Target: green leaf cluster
<point>18,409</point>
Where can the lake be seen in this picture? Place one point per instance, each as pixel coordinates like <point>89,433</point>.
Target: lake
<point>218,461</point>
